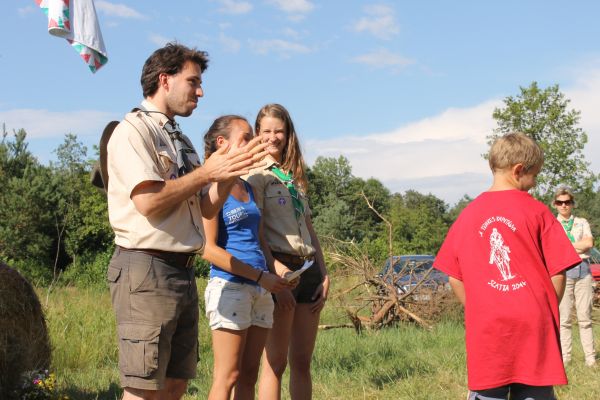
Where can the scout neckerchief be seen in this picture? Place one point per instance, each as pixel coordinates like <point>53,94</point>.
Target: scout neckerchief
<point>182,149</point>
<point>288,181</point>
<point>184,166</point>
<point>568,225</point>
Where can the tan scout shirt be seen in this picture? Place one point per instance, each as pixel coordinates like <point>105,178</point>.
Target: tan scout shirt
<point>283,231</point>
<point>580,230</point>
<point>141,150</point>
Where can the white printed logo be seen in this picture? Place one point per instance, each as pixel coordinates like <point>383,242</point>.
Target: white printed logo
<point>499,255</point>
<point>235,215</point>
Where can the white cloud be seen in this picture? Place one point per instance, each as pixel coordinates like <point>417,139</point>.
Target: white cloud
<point>440,154</point>
<point>47,124</point>
<point>456,136</point>
<point>383,58</point>
<point>159,40</point>
<point>296,10</point>
<point>379,22</point>
<point>289,32</point>
<point>585,97</point>
<point>229,44</point>
<point>283,47</point>
<point>235,7</point>
<point>118,10</point>
<point>293,6</point>
<point>26,10</point>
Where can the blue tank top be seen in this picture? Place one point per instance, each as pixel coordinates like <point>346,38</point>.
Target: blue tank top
<point>238,234</point>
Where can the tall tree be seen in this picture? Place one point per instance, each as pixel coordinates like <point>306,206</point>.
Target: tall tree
<point>69,186</point>
<point>339,209</point>
<point>544,115</point>
<point>328,176</point>
<point>420,222</point>
<point>25,201</point>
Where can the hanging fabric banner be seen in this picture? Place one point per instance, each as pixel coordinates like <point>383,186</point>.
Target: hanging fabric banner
<point>76,21</point>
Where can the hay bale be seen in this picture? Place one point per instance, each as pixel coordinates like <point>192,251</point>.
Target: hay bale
<point>24,343</point>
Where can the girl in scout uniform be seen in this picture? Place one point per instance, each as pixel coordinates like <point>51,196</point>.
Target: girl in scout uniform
<point>280,192</point>
<point>237,299</point>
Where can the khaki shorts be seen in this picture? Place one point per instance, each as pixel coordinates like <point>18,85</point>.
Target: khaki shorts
<point>237,306</point>
<point>156,307</point>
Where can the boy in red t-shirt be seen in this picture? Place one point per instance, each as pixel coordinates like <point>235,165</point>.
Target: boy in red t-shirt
<point>505,256</point>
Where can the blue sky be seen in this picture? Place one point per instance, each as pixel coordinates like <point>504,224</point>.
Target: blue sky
<point>404,89</point>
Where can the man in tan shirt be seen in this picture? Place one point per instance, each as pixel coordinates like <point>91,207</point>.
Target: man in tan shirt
<point>155,178</point>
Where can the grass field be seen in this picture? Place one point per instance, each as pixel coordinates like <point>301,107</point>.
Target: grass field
<point>405,362</point>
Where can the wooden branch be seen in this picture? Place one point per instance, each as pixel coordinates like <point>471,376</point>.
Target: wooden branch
<point>334,326</point>
<point>388,223</point>
<point>415,317</point>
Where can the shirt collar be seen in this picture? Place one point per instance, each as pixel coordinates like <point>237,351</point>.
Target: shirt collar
<point>561,218</point>
<point>158,116</point>
<point>270,162</point>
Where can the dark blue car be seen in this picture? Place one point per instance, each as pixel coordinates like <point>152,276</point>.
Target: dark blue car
<point>408,270</point>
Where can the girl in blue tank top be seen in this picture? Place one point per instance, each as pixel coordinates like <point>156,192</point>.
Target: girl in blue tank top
<point>238,235</point>
<point>238,301</point>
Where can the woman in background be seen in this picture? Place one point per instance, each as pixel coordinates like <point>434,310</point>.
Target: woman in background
<point>579,289</point>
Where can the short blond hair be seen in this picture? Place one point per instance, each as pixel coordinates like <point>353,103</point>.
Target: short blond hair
<point>564,190</point>
<point>515,148</point>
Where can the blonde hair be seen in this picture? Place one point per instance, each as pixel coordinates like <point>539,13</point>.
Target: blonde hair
<point>515,148</point>
<point>291,159</point>
<point>564,190</point>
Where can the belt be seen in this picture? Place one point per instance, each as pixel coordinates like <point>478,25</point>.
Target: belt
<point>290,258</point>
<point>176,259</point>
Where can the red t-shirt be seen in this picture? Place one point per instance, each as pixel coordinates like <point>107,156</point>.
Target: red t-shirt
<point>504,247</point>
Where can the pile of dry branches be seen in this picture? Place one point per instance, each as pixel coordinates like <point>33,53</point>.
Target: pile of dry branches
<point>374,300</point>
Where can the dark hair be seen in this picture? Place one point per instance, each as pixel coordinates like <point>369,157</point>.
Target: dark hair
<point>169,60</point>
<point>291,159</point>
<point>220,127</point>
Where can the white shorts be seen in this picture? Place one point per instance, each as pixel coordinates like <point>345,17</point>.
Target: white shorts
<point>237,306</point>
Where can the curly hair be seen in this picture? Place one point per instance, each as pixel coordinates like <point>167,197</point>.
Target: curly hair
<point>169,60</point>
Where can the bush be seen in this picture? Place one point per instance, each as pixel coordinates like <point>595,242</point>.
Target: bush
<point>89,270</point>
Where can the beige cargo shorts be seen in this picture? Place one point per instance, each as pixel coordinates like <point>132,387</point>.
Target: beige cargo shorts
<point>156,308</point>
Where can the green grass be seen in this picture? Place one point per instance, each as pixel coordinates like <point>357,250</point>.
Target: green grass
<point>405,362</point>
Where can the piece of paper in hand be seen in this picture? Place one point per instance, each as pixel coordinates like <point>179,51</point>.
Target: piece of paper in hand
<point>295,274</point>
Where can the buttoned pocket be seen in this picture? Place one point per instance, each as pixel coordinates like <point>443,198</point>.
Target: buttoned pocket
<point>167,163</point>
<point>138,349</point>
<point>278,200</point>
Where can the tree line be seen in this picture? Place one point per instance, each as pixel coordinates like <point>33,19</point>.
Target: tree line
<point>53,222</point>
